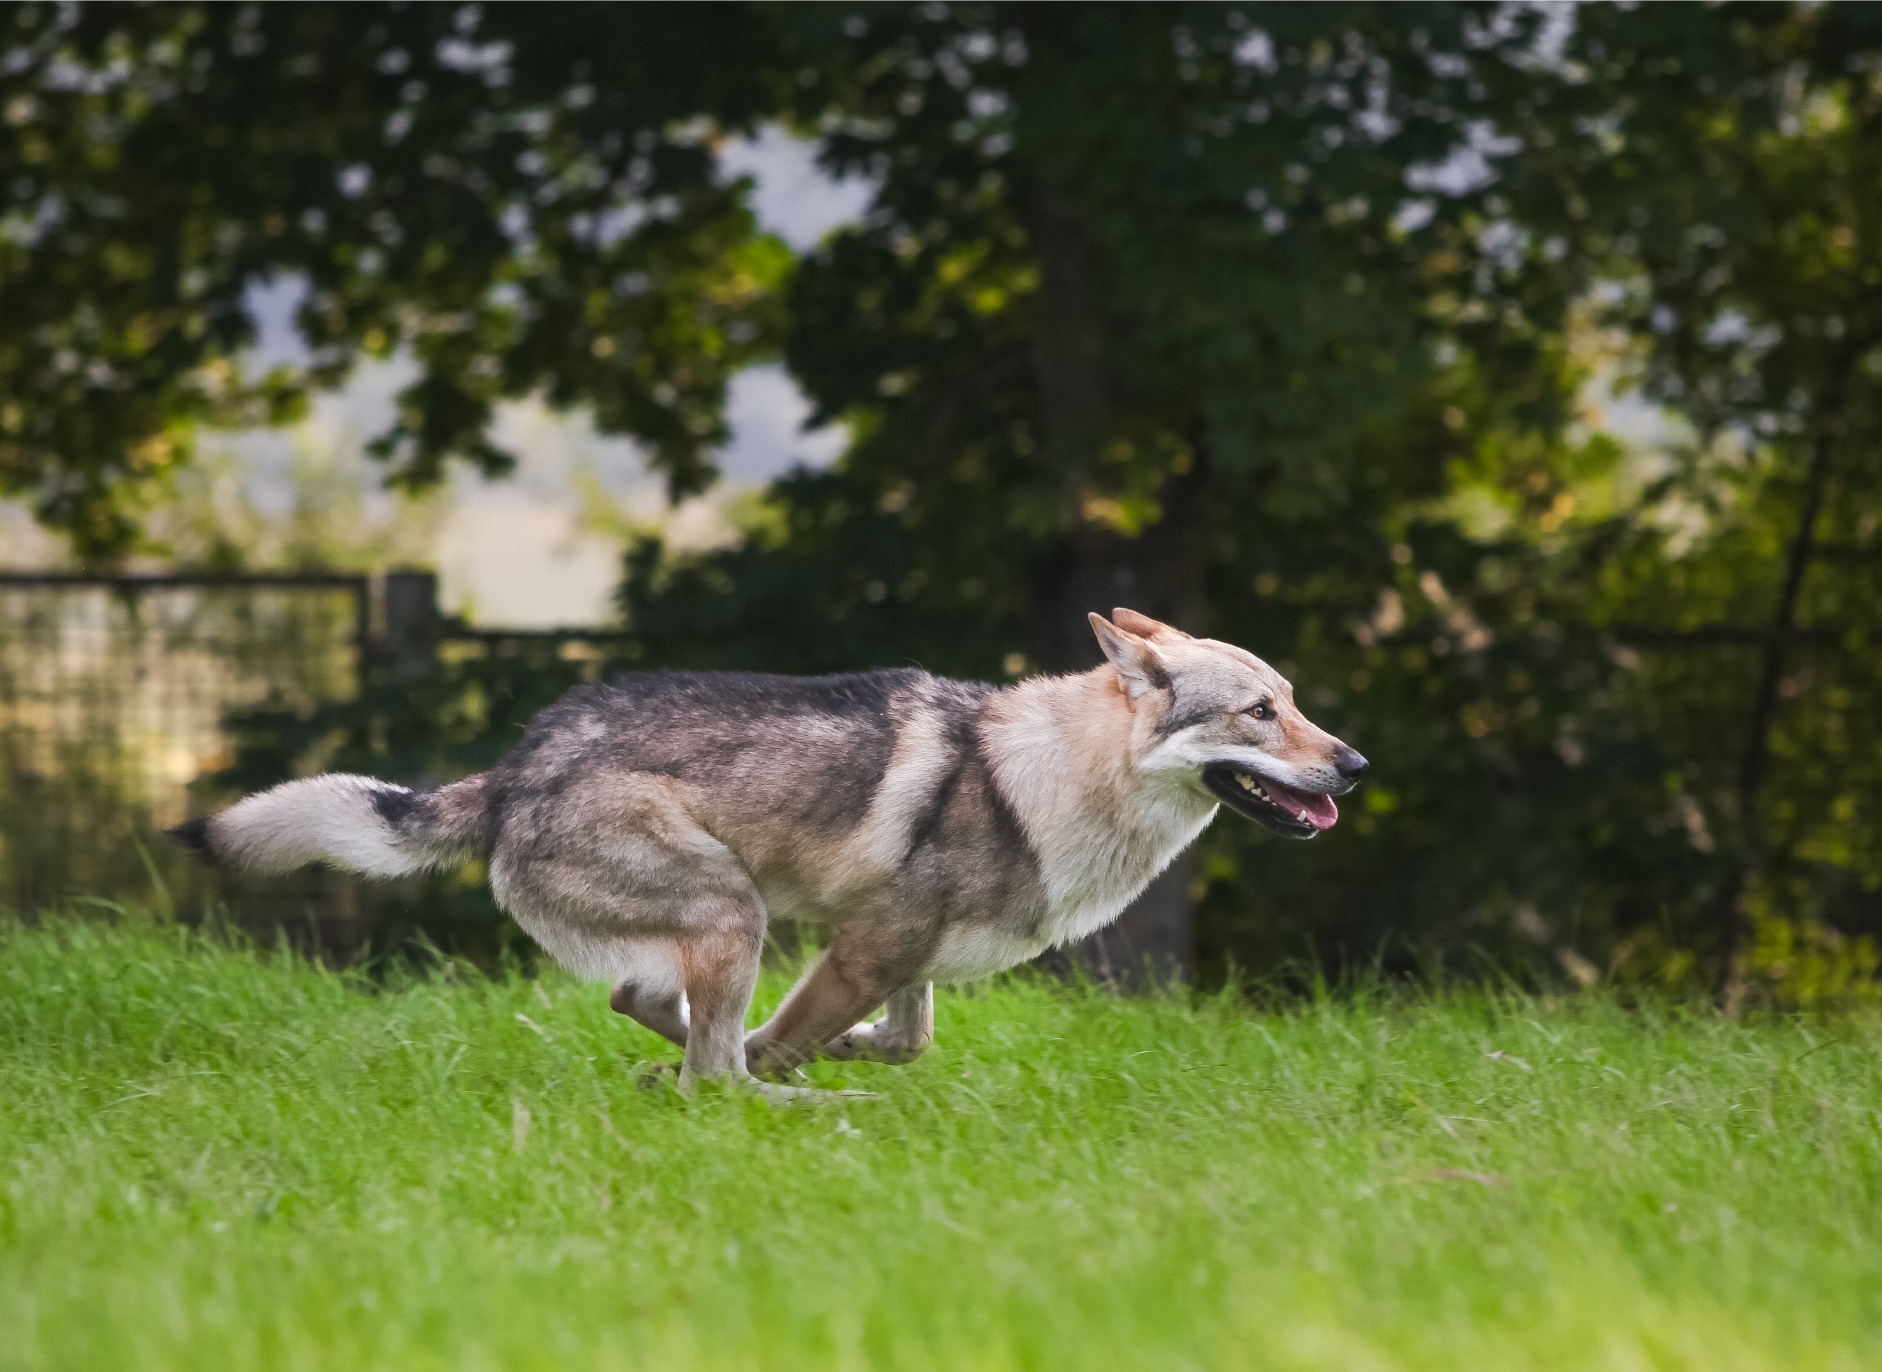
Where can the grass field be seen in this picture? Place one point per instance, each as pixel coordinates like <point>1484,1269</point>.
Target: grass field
<point>217,1158</point>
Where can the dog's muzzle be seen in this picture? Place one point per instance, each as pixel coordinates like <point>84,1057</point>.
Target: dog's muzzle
<point>1297,814</point>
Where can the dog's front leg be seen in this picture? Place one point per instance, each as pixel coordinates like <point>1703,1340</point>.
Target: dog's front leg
<point>900,1036</point>
<point>721,970</point>
<point>855,975</point>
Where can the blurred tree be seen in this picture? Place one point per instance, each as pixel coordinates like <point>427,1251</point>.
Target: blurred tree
<point>519,203</point>
<point>1625,701</point>
<point>1720,173</point>
<point>1273,321</point>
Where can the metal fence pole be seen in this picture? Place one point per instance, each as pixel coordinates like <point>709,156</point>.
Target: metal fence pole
<point>411,601</point>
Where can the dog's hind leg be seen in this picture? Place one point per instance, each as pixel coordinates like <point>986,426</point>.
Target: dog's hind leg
<point>900,1036</point>
<point>613,878</point>
<point>721,972</point>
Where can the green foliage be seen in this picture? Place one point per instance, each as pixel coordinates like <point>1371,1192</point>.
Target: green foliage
<point>218,1157</point>
<point>519,203</point>
<point>1726,192</point>
<point>1127,268</point>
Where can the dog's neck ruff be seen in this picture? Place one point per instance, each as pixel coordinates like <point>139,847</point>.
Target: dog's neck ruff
<point>1103,828</point>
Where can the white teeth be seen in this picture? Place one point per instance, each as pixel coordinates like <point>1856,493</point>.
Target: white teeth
<point>1302,816</point>
<point>1248,783</point>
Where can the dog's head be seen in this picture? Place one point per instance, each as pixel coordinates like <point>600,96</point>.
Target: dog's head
<point>1221,719</point>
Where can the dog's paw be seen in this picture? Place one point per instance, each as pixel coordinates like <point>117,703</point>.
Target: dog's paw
<point>866,1042</point>
<point>766,1061</point>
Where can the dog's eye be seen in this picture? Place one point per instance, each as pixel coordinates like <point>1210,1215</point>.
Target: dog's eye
<point>1261,711</point>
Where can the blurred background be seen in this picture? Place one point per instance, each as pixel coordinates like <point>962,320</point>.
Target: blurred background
<point>1507,374</point>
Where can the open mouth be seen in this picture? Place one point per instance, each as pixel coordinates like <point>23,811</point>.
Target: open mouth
<point>1298,814</point>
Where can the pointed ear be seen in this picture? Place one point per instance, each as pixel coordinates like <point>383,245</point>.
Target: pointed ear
<point>1145,627</point>
<point>1136,661</point>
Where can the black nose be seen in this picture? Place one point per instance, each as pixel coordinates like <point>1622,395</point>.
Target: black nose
<point>1350,763</point>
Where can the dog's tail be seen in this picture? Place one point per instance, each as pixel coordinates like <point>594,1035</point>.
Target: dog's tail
<point>352,822</point>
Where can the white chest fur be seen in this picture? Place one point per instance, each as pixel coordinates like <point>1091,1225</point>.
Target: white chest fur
<point>1101,828</point>
<point>1092,870</point>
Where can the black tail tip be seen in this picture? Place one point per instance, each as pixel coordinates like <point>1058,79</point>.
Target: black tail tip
<point>193,834</point>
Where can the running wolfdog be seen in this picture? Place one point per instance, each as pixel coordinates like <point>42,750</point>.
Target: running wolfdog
<point>643,831</point>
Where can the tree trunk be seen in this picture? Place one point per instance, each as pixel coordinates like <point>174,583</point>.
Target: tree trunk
<point>1728,984</point>
<point>1158,573</point>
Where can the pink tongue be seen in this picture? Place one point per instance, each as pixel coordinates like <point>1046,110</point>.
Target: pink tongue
<point>1322,813</point>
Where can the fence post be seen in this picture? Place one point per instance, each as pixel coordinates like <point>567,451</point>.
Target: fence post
<point>411,600</point>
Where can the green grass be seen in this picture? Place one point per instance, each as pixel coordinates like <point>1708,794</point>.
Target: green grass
<point>219,1158</point>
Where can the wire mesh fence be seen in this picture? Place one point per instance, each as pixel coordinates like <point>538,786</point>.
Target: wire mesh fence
<point>114,697</point>
<point>129,703</point>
